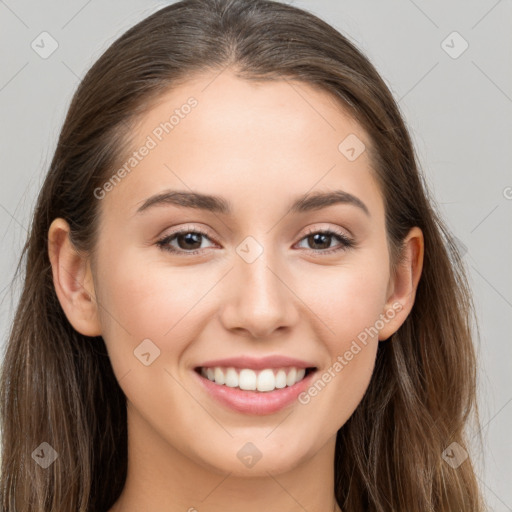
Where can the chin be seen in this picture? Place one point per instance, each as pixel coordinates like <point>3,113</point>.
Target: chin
<point>256,457</point>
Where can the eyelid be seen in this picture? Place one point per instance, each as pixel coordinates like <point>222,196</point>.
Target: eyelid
<point>334,229</point>
<point>348,241</point>
<point>186,229</point>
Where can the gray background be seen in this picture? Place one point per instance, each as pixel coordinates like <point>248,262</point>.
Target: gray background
<point>458,108</point>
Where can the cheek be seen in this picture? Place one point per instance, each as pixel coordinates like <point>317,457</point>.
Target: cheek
<point>142,300</point>
<point>349,303</point>
<point>346,299</point>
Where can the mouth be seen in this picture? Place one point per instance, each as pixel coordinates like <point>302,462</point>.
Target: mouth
<point>254,392</point>
<point>264,380</point>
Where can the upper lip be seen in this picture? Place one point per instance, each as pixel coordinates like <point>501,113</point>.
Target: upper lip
<point>260,363</point>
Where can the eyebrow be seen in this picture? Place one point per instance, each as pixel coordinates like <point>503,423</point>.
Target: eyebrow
<point>217,204</point>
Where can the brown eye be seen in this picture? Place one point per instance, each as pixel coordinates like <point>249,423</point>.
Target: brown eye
<point>188,242</point>
<point>320,241</point>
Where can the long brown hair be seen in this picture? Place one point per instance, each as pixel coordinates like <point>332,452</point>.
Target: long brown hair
<point>58,387</point>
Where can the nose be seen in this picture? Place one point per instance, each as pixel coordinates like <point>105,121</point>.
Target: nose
<point>260,299</point>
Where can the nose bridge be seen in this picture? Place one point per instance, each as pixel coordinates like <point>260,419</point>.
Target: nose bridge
<point>261,301</point>
<point>256,260</point>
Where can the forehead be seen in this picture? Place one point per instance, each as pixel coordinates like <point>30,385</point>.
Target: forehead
<point>249,140</point>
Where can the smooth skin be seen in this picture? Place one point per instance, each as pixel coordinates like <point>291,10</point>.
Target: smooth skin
<point>259,145</point>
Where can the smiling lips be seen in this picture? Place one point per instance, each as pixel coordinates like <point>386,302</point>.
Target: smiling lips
<point>247,379</point>
<point>255,386</point>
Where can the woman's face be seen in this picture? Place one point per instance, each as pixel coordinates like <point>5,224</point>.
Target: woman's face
<point>254,279</point>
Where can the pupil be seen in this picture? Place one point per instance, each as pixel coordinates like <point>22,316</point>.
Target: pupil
<point>190,238</point>
<point>317,239</point>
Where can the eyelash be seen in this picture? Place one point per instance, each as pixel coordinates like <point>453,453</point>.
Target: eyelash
<point>346,242</point>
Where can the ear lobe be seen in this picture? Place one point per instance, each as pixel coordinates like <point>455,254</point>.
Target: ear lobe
<point>404,284</point>
<point>72,279</point>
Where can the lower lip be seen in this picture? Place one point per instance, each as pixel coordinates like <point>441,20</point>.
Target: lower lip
<point>255,402</point>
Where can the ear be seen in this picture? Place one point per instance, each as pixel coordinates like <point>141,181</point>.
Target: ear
<point>73,281</point>
<point>403,285</point>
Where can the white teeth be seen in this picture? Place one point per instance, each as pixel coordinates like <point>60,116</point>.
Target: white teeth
<point>250,380</point>
<point>246,380</point>
<point>219,376</point>
<point>266,381</point>
<point>281,379</point>
<point>290,378</point>
<point>231,378</point>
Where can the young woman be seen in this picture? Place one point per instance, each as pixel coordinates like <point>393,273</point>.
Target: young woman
<point>238,295</point>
